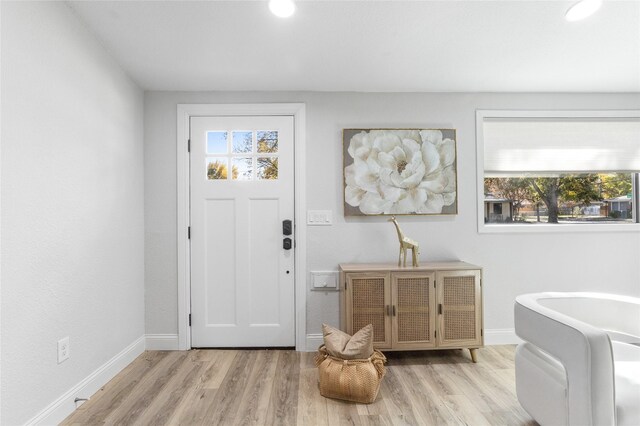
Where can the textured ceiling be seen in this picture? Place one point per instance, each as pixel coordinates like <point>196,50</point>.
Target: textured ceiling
<point>379,46</point>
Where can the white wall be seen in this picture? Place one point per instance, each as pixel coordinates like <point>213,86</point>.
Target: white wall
<point>72,199</point>
<point>514,263</point>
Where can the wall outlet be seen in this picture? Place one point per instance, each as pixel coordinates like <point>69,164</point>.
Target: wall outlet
<point>324,280</point>
<point>63,349</point>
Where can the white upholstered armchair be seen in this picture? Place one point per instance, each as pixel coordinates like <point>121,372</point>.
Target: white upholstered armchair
<point>579,363</point>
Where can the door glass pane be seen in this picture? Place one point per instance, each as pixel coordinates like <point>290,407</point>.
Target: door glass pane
<point>217,143</point>
<point>267,141</point>
<point>241,141</point>
<point>217,168</point>
<point>241,168</point>
<point>267,168</point>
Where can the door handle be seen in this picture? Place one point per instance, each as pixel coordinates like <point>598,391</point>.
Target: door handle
<point>440,308</point>
<point>286,244</point>
<point>287,229</point>
<point>394,310</point>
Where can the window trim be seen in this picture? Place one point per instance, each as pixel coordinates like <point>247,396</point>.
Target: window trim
<point>484,228</point>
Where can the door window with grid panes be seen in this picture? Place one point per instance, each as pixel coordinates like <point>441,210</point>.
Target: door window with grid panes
<point>242,155</point>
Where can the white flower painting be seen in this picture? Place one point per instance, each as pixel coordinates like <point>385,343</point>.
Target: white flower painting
<point>399,171</point>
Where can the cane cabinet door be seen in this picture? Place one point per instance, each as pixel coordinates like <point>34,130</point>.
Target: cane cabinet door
<point>368,301</point>
<point>413,310</point>
<point>459,309</point>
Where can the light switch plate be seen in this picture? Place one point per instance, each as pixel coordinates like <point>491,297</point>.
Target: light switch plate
<point>319,217</point>
<point>324,280</point>
<point>63,349</point>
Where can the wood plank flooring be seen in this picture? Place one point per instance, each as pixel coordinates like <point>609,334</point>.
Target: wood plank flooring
<point>280,387</point>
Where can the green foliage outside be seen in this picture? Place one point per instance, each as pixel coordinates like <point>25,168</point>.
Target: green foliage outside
<point>218,170</point>
<point>267,143</point>
<point>555,191</point>
<point>616,185</point>
<point>518,190</point>
<point>267,166</point>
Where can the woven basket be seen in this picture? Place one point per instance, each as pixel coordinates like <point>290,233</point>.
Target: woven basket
<point>356,380</point>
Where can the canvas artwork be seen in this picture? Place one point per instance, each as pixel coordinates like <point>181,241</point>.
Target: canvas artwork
<point>399,172</point>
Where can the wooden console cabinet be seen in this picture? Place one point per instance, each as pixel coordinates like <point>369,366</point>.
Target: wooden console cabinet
<point>434,306</point>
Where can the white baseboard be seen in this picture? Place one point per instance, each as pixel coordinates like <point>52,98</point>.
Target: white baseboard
<point>313,342</point>
<point>501,336</point>
<point>59,409</point>
<point>65,405</point>
<point>496,336</point>
<point>162,342</point>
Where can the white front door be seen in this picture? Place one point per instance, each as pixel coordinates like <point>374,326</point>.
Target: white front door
<point>242,192</point>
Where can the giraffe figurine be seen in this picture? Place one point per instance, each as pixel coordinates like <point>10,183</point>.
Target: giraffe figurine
<point>406,243</point>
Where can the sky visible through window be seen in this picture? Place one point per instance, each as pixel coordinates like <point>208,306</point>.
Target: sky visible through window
<point>216,142</point>
<point>236,149</point>
<point>241,141</point>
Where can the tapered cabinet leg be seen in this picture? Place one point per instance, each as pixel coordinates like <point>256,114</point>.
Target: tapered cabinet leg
<point>474,354</point>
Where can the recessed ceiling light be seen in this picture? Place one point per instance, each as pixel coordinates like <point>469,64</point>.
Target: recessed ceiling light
<point>582,9</point>
<point>282,8</point>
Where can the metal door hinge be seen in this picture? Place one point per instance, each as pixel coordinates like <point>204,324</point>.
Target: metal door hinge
<point>482,332</point>
<point>189,232</point>
<point>189,320</point>
<point>188,145</point>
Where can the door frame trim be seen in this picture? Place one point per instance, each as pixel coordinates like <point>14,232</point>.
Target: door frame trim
<point>185,112</point>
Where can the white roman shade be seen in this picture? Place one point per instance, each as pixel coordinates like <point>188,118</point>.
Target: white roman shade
<point>521,144</point>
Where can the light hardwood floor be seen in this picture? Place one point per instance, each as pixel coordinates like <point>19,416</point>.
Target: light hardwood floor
<point>279,387</point>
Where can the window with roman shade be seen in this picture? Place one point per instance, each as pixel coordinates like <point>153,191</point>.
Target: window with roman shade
<point>558,167</point>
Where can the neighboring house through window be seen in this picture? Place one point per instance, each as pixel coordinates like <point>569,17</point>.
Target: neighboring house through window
<point>543,169</point>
